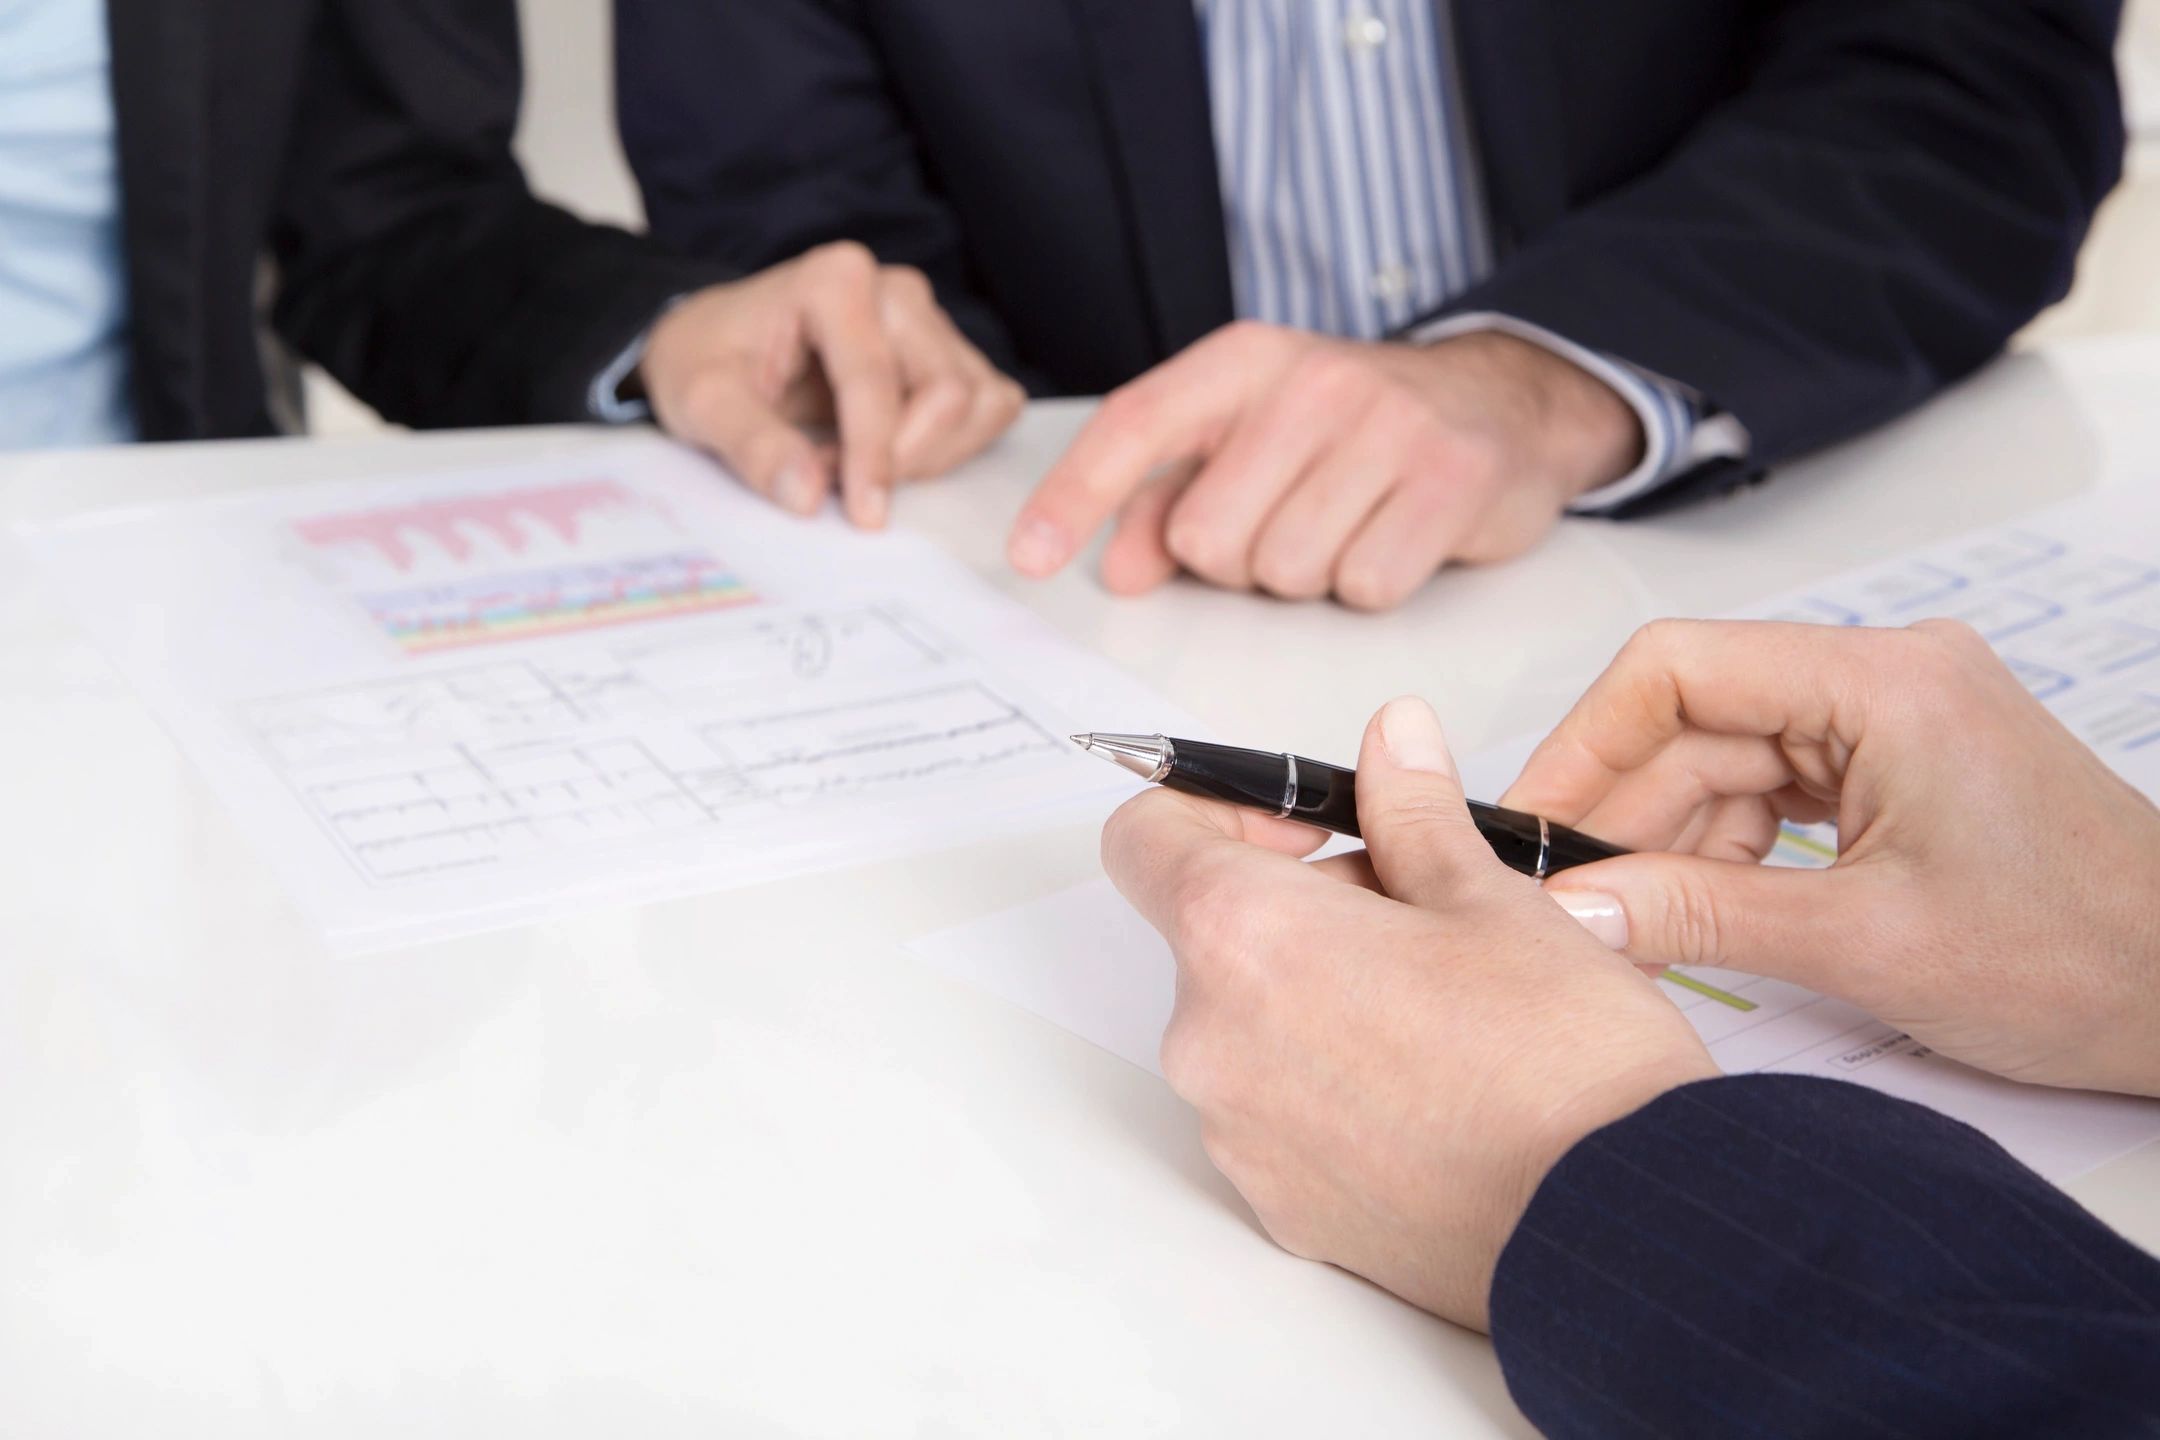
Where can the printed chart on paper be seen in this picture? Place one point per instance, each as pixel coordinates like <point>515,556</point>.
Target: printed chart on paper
<point>448,701</point>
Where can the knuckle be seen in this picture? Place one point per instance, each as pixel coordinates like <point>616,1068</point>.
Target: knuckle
<point>1659,637</point>
<point>1937,661</point>
<point>1288,575</point>
<point>1131,406</point>
<point>1954,635</point>
<point>1694,922</point>
<point>1289,1229</point>
<point>1653,647</point>
<point>947,397</point>
<point>1189,1063</point>
<point>1331,374</point>
<point>1954,648</point>
<point>1194,545</point>
<point>1222,1152</point>
<point>1277,1201</point>
<point>906,282</point>
<point>844,261</point>
<point>762,461</point>
<point>1247,334</point>
<point>1368,588</point>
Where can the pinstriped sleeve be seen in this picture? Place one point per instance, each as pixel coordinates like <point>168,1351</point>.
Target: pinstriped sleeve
<point>1784,1255</point>
<point>1683,433</point>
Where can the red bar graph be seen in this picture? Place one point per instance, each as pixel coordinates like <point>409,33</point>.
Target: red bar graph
<point>500,516</point>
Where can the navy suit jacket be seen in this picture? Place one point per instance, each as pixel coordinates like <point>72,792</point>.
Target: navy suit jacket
<point>1818,212</point>
<point>1779,1255</point>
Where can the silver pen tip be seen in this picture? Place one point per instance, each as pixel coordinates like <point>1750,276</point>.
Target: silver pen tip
<point>1147,756</point>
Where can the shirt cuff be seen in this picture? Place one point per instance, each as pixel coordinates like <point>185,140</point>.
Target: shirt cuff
<point>1681,430</point>
<point>605,399</point>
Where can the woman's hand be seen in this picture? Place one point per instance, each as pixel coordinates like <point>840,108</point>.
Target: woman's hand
<point>1387,1081</point>
<point>1997,890</point>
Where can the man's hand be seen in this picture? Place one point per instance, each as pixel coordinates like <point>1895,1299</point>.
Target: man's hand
<point>1997,888</point>
<point>749,370</point>
<point>1271,459</point>
<point>1387,1081</point>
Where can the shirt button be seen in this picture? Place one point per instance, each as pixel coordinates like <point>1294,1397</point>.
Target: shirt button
<point>1365,32</point>
<point>1393,283</point>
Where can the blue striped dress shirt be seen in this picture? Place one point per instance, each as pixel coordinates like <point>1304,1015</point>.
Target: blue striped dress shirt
<point>1355,203</point>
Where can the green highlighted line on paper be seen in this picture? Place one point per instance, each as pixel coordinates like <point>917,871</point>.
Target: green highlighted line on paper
<point>1707,991</point>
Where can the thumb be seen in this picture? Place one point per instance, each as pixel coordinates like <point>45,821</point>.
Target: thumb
<point>1733,915</point>
<point>1410,806</point>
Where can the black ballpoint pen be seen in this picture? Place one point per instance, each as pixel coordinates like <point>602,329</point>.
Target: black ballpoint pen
<point>1326,796</point>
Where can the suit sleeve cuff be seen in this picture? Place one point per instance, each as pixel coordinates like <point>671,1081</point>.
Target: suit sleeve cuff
<point>1681,431</point>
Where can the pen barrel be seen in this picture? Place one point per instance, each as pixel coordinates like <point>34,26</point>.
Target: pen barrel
<point>1534,847</point>
<point>1571,848</point>
<point>1325,795</point>
<point>1516,838</point>
<point>1313,793</point>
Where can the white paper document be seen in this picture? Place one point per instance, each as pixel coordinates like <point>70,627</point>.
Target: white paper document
<point>2071,599</point>
<point>446,702</point>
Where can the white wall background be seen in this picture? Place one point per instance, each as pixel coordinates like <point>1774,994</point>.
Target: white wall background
<point>569,147</point>
<point>2119,285</point>
<point>567,139</point>
<point>2141,67</point>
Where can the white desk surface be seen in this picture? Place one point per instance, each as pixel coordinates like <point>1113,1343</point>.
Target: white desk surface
<point>737,1165</point>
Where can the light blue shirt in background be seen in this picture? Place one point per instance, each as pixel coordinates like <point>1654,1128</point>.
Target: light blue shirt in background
<point>63,275</point>
<point>1355,203</point>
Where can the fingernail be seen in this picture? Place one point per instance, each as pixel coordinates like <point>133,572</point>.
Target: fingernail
<point>1602,915</point>
<point>1411,732</point>
<point>873,507</point>
<point>1038,547</point>
<point>798,490</point>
